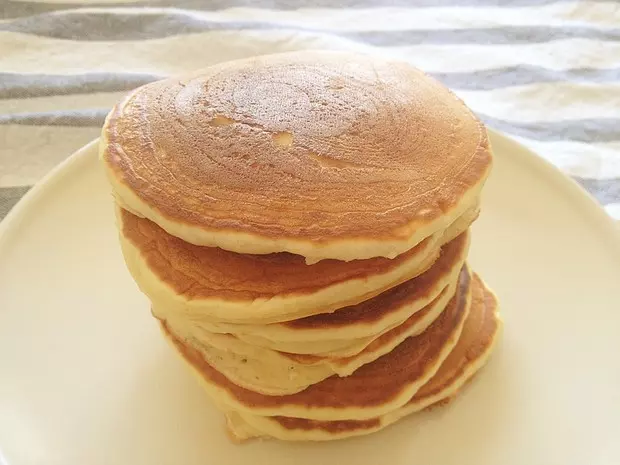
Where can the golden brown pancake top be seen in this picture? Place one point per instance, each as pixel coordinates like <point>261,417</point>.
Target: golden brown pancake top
<point>392,300</point>
<point>373,384</point>
<point>311,145</point>
<point>202,272</point>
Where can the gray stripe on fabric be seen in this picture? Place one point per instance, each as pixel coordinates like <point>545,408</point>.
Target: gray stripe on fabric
<point>9,196</point>
<point>484,36</point>
<point>16,85</point>
<point>93,117</point>
<point>128,26</point>
<point>16,8</point>
<point>489,79</point>
<point>606,191</point>
<point>584,130</point>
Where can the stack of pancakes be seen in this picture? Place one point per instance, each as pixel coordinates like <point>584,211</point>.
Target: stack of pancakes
<point>300,223</point>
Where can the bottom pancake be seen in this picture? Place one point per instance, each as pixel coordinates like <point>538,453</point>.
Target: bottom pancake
<point>479,335</point>
<point>373,390</point>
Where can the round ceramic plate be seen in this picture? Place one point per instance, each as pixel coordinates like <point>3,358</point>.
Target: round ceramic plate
<point>86,378</point>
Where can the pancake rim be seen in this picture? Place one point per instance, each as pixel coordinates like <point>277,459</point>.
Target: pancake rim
<point>323,367</point>
<point>280,333</point>
<point>277,308</point>
<point>221,395</point>
<point>254,425</point>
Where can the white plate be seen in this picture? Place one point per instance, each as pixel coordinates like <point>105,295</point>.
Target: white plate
<point>85,377</point>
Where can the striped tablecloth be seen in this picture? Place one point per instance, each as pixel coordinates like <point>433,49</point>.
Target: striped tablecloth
<point>546,72</point>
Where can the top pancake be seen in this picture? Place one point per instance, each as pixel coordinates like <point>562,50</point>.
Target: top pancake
<point>321,154</point>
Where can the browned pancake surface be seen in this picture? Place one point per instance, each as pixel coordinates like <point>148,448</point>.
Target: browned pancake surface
<point>312,146</point>
<point>202,272</point>
<point>329,426</point>
<point>373,384</point>
<point>477,335</point>
<point>381,341</point>
<point>392,300</point>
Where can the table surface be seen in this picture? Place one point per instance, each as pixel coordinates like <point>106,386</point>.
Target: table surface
<point>545,72</point>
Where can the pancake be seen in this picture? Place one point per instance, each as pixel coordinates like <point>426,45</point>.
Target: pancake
<point>211,284</point>
<point>327,155</point>
<point>348,330</point>
<point>270,372</point>
<point>480,333</point>
<point>373,390</point>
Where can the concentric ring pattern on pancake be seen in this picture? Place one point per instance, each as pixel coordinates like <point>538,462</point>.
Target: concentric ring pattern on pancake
<point>321,154</point>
